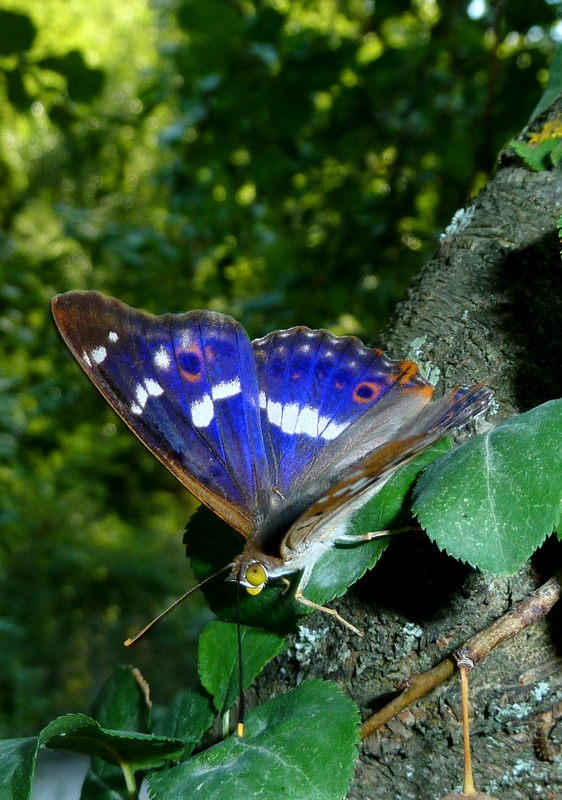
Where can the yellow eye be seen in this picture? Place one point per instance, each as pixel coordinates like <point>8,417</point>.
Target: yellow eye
<point>254,589</point>
<point>256,576</point>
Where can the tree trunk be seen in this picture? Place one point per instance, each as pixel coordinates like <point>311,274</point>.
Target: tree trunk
<point>489,308</point>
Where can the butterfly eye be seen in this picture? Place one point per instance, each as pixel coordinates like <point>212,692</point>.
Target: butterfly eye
<point>256,576</point>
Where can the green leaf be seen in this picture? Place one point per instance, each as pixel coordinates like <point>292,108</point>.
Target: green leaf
<point>17,33</point>
<point>17,766</point>
<point>81,734</point>
<point>78,733</point>
<point>190,715</point>
<point>494,500</point>
<point>301,745</point>
<point>218,659</point>
<point>537,156</point>
<point>122,705</point>
<point>123,702</point>
<point>342,565</point>
<point>553,86</point>
<point>211,544</point>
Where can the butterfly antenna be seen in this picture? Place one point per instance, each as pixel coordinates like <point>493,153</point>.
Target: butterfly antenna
<point>166,611</point>
<point>241,698</point>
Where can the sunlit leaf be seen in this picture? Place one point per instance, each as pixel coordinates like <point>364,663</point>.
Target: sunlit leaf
<point>494,500</point>
<point>301,745</point>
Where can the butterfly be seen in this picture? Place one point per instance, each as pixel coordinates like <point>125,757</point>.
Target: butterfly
<point>283,437</point>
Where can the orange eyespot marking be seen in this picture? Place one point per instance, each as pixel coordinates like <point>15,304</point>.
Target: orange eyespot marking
<point>190,362</point>
<point>366,392</point>
<point>256,576</point>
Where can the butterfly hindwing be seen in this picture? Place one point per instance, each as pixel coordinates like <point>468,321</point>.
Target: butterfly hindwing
<point>333,509</point>
<point>314,388</point>
<point>186,385</point>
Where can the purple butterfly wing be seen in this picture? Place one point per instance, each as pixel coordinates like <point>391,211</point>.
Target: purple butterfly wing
<point>315,388</point>
<point>186,385</point>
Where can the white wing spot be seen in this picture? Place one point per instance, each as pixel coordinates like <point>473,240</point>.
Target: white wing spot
<point>293,419</point>
<point>112,336</point>
<point>98,354</point>
<point>307,421</point>
<point>332,429</point>
<point>202,412</point>
<point>339,492</point>
<point>86,359</point>
<point>274,411</point>
<point>162,358</point>
<point>153,388</point>
<point>356,486</point>
<point>142,395</point>
<point>289,418</point>
<point>226,389</point>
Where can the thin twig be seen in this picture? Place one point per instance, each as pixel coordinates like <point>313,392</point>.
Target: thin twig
<point>468,783</point>
<point>527,612</point>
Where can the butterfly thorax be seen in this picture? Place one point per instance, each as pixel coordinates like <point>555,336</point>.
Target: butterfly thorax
<point>266,554</point>
<point>275,551</point>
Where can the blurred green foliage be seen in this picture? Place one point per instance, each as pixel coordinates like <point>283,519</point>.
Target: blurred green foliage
<point>286,161</point>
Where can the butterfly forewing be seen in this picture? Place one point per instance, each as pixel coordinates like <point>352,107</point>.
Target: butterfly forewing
<point>186,385</point>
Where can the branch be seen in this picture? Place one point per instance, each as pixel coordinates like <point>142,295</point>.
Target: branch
<point>529,611</point>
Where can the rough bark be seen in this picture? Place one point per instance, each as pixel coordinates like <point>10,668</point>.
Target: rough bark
<point>489,305</point>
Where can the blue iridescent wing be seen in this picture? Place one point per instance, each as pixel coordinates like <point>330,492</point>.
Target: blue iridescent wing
<point>186,385</point>
<point>326,401</point>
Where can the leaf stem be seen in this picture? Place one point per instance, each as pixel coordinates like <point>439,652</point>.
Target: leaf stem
<point>130,781</point>
<point>530,610</point>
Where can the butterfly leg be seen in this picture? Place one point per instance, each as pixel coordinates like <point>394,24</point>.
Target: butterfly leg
<point>316,606</point>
